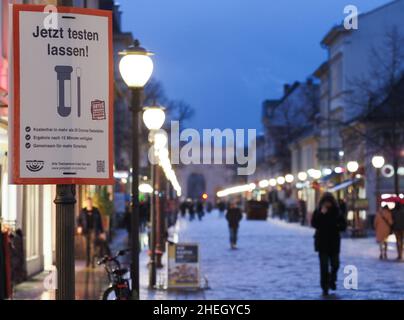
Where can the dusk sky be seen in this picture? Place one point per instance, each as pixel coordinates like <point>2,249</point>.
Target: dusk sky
<point>224,57</point>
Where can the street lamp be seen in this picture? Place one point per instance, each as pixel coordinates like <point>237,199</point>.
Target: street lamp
<point>378,162</point>
<point>352,166</point>
<point>302,176</point>
<point>263,184</point>
<point>153,118</point>
<point>280,180</point>
<point>272,182</point>
<point>314,174</point>
<point>289,178</point>
<point>136,68</point>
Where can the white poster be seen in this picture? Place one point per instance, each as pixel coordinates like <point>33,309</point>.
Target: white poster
<point>183,265</point>
<point>62,104</point>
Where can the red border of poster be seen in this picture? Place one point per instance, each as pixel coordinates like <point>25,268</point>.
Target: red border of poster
<point>16,179</point>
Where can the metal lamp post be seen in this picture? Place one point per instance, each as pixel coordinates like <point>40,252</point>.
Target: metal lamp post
<point>136,68</point>
<point>352,167</point>
<point>378,163</point>
<point>65,200</point>
<point>153,118</point>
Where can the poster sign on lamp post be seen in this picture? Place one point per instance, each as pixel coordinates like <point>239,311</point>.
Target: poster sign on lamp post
<point>62,98</point>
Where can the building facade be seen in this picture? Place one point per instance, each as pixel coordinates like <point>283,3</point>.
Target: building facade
<point>31,208</point>
<point>349,80</point>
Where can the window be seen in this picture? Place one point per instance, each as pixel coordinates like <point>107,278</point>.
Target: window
<point>336,76</point>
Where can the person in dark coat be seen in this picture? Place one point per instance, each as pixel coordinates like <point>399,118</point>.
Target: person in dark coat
<point>398,228</point>
<point>328,222</point>
<point>183,209</point>
<point>191,210</point>
<point>233,217</point>
<point>200,210</point>
<point>303,211</point>
<point>90,226</point>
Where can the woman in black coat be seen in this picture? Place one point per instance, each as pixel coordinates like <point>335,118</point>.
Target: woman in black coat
<point>328,222</point>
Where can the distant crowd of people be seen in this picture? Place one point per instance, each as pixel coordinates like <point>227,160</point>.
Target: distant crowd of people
<point>195,208</point>
<point>290,209</point>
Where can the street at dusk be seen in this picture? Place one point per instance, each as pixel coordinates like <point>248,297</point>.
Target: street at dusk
<point>214,151</point>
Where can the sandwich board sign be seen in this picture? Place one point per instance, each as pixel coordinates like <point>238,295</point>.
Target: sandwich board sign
<point>61,114</point>
<point>183,266</point>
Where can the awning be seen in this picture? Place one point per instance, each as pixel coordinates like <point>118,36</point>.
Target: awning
<point>393,199</point>
<point>343,185</point>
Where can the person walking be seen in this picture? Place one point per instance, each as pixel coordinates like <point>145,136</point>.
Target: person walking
<point>183,208</point>
<point>398,228</point>
<point>303,211</point>
<point>200,210</point>
<point>328,222</point>
<point>191,210</point>
<point>90,226</point>
<point>383,226</point>
<point>233,217</point>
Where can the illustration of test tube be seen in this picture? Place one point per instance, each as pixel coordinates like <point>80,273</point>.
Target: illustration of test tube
<point>64,90</point>
<point>78,73</point>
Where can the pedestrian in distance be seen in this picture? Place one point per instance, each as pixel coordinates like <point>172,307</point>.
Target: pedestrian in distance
<point>233,217</point>
<point>398,228</point>
<point>303,211</point>
<point>183,208</point>
<point>191,210</point>
<point>383,226</point>
<point>200,210</point>
<point>222,208</point>
<point>329,223</point>
<point>90,226</point>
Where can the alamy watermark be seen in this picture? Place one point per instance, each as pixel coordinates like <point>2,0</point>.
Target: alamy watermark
<point>214,146</point>
<point>351,278</point>
<point>50,282</point>
<point>351,20</point>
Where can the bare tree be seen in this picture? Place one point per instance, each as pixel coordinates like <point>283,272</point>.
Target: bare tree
<point>288,119</point>
<point>180,110</point>
<point>154,93</point>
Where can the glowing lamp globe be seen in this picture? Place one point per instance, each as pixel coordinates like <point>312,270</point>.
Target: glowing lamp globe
<point>154,117</point>
<point>136,66</point>
<point>378,162</point>
<point>302,176</point>
<point>263,184</point>
<point>289,178</point>
<point>280,180</point>
<point>160,139</point>
<point>352,166</point>
<point>272,182</point>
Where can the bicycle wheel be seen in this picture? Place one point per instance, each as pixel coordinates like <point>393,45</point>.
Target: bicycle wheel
<point>109,294</point>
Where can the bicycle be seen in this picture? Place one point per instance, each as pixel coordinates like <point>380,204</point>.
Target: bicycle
<point>119,288</point>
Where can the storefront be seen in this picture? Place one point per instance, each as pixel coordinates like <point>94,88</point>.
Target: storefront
<point>28,209</point>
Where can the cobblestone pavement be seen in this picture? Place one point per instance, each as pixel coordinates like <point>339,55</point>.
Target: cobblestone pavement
<point>276,260</point>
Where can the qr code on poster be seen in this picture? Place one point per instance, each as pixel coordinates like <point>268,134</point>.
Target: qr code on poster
<point>100,165</point>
